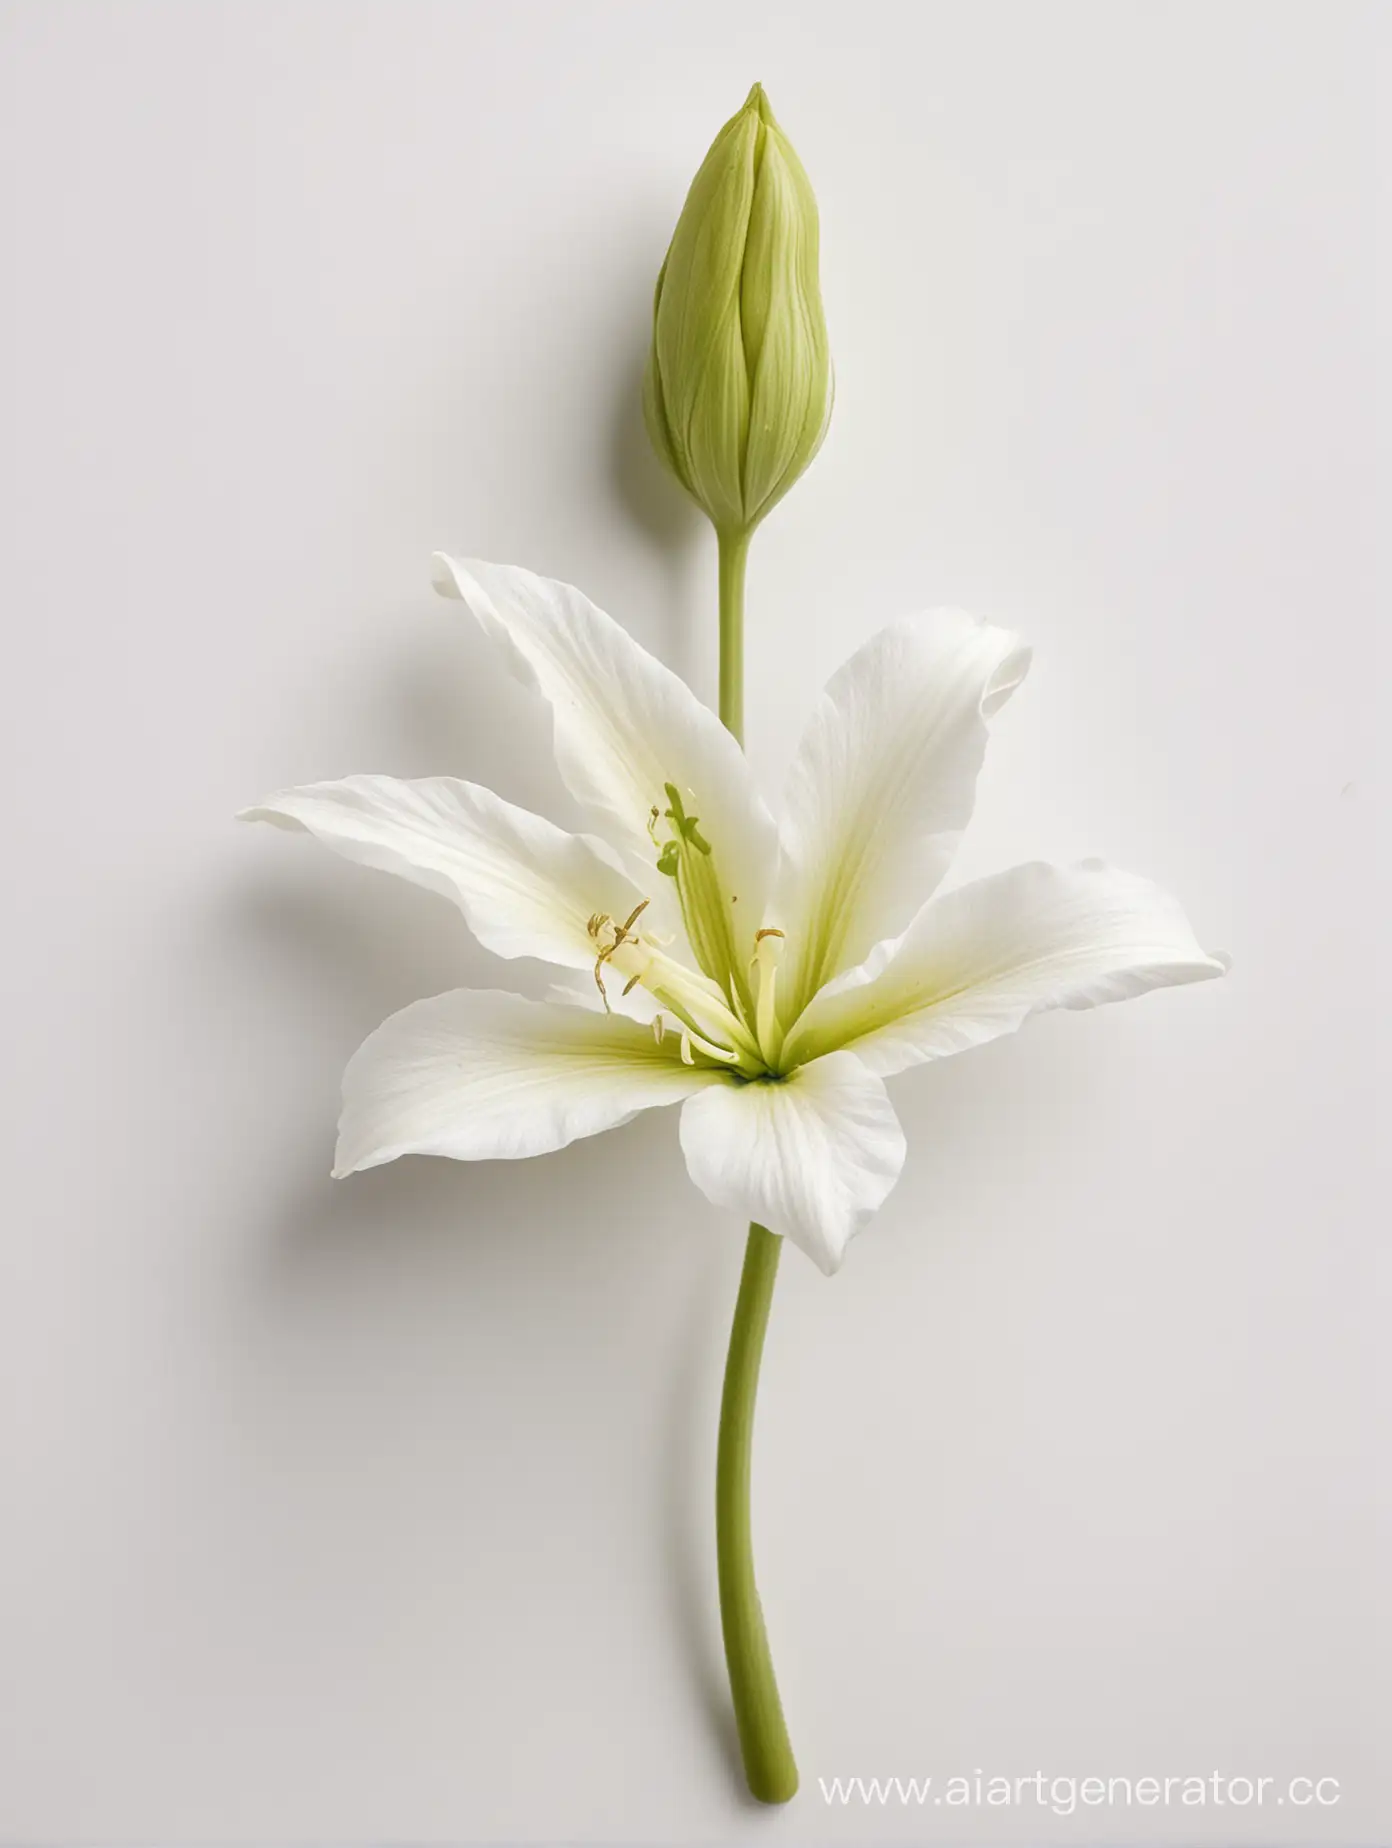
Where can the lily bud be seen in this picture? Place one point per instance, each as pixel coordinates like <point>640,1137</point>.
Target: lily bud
<point>738,389</point>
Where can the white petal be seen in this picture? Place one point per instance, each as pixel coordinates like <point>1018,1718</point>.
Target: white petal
<point>811,1156</point>
<point>882,786</point>
<point>625,726</point>
<point>526,887</point>
<point>580,991</point>
<point>479,1075</point>
<point>978,961</point>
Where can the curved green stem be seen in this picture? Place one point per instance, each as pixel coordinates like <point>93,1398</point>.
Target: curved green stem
<point>763,1735</point>
<point>769,1765</point>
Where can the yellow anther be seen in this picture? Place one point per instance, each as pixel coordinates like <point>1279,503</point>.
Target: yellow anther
<point>707,1022</point>
<point>619,934</point>
<point>633,918</point>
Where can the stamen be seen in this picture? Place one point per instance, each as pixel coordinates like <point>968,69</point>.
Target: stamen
<point>712,1051</point>
<point>701,1012</point>
<point>690,1040</point>
<point>768,953</point>
<point>623,933</point>
<point>632,918</point>
<point>715,1030</point>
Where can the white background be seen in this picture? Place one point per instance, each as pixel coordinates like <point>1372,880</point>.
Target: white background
<point>383,1509</point>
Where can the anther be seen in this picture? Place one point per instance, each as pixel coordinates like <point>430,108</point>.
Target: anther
<point>633,918</point>
<point>621,934</point>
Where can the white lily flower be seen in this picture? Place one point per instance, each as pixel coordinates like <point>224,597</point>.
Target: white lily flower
<point>767,976</point>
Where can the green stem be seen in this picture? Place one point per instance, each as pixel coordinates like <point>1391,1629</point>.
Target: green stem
<point>763,1734</point>
<point>734,554</point>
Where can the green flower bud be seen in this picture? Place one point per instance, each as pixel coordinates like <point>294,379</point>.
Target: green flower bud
<point>737,393</point>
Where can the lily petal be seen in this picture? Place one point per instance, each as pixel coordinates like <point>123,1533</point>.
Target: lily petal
<point>526,887</point>
<point>580,991</point>
<point>480,1075</point>
<point>882,786</point>
<point>979,961</point>
<point>810,1156</point>
<point>625,727</point>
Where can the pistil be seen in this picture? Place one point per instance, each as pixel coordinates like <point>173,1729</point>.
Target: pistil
<point>687,858</point>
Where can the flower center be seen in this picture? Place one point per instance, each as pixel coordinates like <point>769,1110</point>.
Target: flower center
<point>728,1012</point>
<point>700,1013</point>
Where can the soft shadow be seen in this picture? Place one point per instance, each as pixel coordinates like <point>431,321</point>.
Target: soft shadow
<point>687,1508</point>
<point>463,713</point>
<point>674,531</point>
<point>648,492</point>
<point>359,945</point>
<point>483,1234</point>
<point>475,1232</point>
